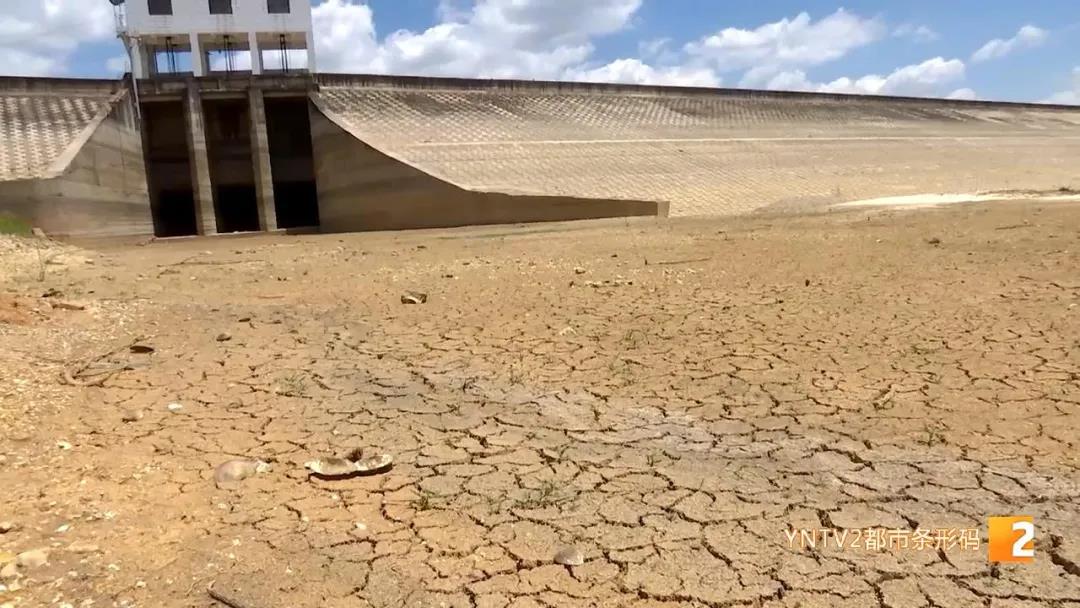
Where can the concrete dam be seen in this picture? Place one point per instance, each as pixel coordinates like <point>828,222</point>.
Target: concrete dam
<point>221,154</point>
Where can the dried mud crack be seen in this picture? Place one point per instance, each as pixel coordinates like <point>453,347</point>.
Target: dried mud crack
<point>659,429</point>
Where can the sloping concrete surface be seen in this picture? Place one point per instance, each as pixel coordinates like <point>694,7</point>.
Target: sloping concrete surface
<point>43,123</point>
<point>706,152</point>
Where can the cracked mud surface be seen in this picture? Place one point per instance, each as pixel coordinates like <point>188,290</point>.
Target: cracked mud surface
<point>670,420</point>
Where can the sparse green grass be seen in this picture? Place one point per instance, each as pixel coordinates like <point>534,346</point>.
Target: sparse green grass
<point>517,372</point>
<point>426,501</point>
<point>654,458</point>
<point>9,224</point>
<point>294,385</point>
<point>634,338</point>
<point>547,495</point>
<point>933,434</point>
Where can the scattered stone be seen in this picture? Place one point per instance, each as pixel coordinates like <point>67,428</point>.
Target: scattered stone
<point>7,526</point>
<point>83,547</point>
<point>244,320</point>
<point>9,571</point>
<point>63,528</point>
<point>223,337</point>
<point>227,474</point>
<point>52,292</point>
<point>934,241</point>
<point>39,233</point>
<point>131,416</point>
<point>332,466</point>
<point>32,559</point>
<point>579,270</point>
<point>570,556</point>
<point>174,407</point>
<point>63,445</point>
<point>608,283</point>
<point>414,297</point>
<point>6,557</point>
<point>141,349</point>
<point>69,305</point>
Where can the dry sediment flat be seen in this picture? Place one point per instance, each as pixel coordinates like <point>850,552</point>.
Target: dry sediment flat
<point>670,419</point>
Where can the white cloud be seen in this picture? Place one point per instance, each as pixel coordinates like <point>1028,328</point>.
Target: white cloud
<point>117,66</point>
<point>38,37</point>
<point>656,47</point>
<point>918,33</point>
<point>634,71</point>
<point>965,93</point>
<point>1028,37</point>
<point>1068,97</point>
<point>493,39</point>
<point>933,77</point>
<point>787,43</point>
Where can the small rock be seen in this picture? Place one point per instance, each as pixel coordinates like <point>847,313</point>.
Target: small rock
<point>7,526</point>
<point>63,445</point>
<point>174,407</point>
<point>414,297</point>
<point>354,464</point>
<point>227,474</point>
<point>570,556</point>
<point>32,559</point>
<point>934,241</point>
<point>64,528</point>
<point>83,547</point>
<point>69,305</point>
<point>223,337</point>
<point>131,416</point>
<point>9,571</point>
<point>579,270</point>
<point>141,349</point>
<point>6,557</point>
<point>39,233</point>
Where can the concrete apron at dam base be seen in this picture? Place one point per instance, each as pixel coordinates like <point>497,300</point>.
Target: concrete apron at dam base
<point>237,154</point>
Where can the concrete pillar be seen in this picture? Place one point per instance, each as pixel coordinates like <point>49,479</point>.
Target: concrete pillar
<point>310,42</point>
<point>140,66</point>
<point>260,157</point>
<point>256,54</point>
<point>198,57</point>
<point>203,188</point>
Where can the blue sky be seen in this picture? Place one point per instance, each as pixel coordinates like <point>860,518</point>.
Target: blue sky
<point>913,47</point>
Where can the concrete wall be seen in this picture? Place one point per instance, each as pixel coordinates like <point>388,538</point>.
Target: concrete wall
<point>102,193</point>
<point>362,189</point>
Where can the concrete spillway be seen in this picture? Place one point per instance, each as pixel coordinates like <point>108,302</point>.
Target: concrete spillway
<point>362,153</point>
<point>71,158</point>
<point>703,152</point>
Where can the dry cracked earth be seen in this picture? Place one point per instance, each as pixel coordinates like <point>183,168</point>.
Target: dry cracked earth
<point>668,397</point>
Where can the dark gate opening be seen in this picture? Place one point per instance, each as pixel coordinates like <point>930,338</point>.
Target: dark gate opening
<point>228,145</point>
<point>288,129</point>
<point>168,168</point>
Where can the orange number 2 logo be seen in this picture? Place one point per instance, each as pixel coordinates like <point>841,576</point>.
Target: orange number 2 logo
<point>1011,539</point>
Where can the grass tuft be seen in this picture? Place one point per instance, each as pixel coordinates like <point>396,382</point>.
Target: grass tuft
<point>9,224</point>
